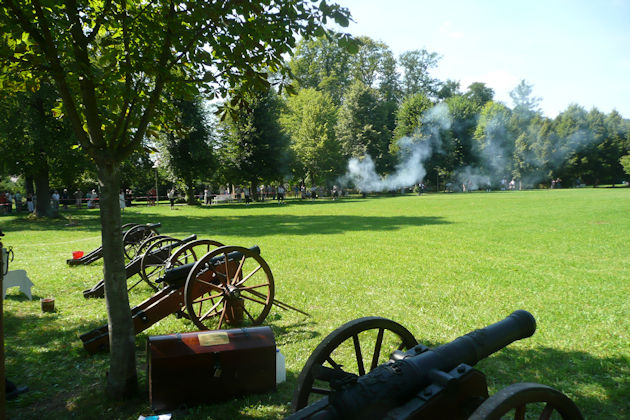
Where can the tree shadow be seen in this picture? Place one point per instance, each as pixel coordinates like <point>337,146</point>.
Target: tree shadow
<point>264,225</point>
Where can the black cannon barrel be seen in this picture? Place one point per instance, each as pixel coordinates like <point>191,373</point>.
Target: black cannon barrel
<point>179,274</point>
<point>392,384</point>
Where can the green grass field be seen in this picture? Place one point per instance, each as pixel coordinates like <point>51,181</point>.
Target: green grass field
<point>441,265</point>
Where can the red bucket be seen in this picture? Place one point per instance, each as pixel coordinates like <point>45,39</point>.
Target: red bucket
<point>77,254</point>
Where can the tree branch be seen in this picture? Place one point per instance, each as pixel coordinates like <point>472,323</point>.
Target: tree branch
<point>86,79</point>
<point>46,43</point>
<point>99,21</point>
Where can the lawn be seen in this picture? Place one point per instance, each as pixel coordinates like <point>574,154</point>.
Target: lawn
<point>439,264</point>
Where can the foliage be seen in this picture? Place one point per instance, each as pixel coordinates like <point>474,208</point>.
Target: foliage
<point>493,145</point>
<point>408,117</point>
<point>416,78</point>
<point>625,162</point>
<point>323,64</point>
<point>253,148</point>
<point>479,93</point>
<point>362,127</point>
<point>37,145</point>
<point>187,147</point>
<point>309,120</point>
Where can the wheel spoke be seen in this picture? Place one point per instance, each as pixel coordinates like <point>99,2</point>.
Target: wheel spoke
<point>203,299</point>
<point>519,412</point>
<point>240,267</point>
<point>251,318</point>
<point>321,391</point>
<point>547,412</point>
<point>357,350</point>
<point>248,276</point>
<point>334,364</point>
<point>227,270</point>
<point>377,349</point>
<point>209,284</point>
<point>212,311</point>
<point>250,288</point>
<point>222,316</point>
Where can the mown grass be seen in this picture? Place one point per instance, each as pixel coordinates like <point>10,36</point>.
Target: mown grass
<point>440,264</point>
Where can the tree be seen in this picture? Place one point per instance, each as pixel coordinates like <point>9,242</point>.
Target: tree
<point>187,148</point>
<point>254,148</point>
<point>479,93</point>
<point>111,62</point>
<point>361,125</point>
<point>324,64</point>
<point>408,117</point>
<point>416,78</point>
<point>310,120</point>
<point>36,144</point>
<point>625,162</point>
<point>448,89</point>
<point>494,144</point>
<point>464,113</point>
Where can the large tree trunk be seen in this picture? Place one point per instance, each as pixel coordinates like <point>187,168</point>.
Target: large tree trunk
<point>42,190</point>
<point>28,182</point>
<point>122,378</point>
<point>191,200</point>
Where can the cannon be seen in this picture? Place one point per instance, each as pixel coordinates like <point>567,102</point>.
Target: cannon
<point>150,257</point>
<point>133,236</point>
<point>343,379</point>
<point>228,285</point>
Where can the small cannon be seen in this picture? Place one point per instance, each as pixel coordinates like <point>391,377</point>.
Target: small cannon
<point>133,236</point>
<point>150,256</point>
<point>420,383</point>
<point>230,284</point>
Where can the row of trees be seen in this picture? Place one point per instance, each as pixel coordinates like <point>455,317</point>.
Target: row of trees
<point>344,105</point>
<point>355,104</point>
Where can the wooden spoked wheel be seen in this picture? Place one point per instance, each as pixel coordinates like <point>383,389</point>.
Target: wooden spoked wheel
<point>127,226</point>
<point>230,285</point>
<point>191,252</point>
<point>353,349</point>
<point>155,258</point>
<point>527,401</point>
<point>134,237</point>
<point>144,246</point>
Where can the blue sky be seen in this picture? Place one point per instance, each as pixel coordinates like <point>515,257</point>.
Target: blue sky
<point>571,51</point>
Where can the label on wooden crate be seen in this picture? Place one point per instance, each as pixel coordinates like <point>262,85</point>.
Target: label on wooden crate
<point>212,339</point>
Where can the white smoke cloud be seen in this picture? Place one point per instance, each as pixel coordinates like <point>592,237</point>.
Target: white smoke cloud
<point>413,152</point>
<point>495,159</point>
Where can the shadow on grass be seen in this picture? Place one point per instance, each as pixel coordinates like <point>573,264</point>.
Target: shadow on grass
<point>244,225</point>
<point>73,381</point>
<point>264,225</point>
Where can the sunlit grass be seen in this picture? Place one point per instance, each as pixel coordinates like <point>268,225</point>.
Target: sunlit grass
<point>441,265</point>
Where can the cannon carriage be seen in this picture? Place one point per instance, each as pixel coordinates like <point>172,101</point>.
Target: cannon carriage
<point>151,255</point>
<point>208,283</point>
<point>344,378</point>
<point>134,235</point>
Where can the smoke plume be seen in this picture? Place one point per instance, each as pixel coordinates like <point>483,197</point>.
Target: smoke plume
<point>413,153</point>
